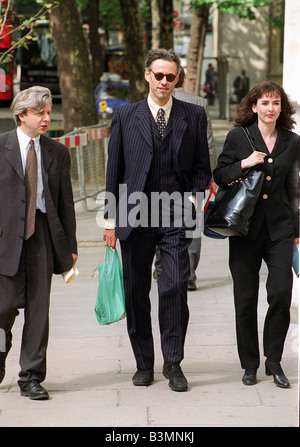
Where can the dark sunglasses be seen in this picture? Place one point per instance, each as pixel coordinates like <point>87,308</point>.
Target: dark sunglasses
<point>159,76</point>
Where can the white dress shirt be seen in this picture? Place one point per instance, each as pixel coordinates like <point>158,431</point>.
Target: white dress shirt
<point>24,144</point>
<point>154,108</point>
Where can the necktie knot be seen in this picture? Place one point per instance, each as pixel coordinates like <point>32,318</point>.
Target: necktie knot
<point>160,121</point>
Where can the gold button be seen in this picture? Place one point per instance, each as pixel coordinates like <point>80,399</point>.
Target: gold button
<point>268,178</point>
<point>265,196</point>
<point>270,160</point>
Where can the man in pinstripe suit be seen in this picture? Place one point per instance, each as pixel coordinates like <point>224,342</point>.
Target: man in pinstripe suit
<point>144,161</point>
<point>195,247</point>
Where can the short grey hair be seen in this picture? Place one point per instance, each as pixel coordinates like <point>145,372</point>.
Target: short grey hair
<point>162,53</point>
<point>33,98</point>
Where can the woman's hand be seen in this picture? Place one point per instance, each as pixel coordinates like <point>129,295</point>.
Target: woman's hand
<point>254,159</point>
<point>212,185</point>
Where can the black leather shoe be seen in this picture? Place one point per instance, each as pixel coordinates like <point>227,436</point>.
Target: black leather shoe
<point>192,286</point>
<point>34,391</point>
<point>275,370</point>
<point>143,377</point>
<point>2,372</point>
<point>173,372</point>
<point>249,378</point>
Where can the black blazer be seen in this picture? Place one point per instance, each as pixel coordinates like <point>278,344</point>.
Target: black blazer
<point>278,202</point>
<point>58,199</point>
<point>130,151</point>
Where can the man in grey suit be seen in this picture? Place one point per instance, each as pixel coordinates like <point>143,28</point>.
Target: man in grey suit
<point>195,247</point>
<point>37,242</point>
<point>157,146</point>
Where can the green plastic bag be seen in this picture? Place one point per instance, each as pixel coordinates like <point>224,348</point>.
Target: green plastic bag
<point>110,303</point>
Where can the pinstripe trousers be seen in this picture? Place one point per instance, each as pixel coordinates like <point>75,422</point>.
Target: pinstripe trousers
<point>138,251</point>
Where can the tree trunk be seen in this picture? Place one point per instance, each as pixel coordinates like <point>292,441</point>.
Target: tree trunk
<point>134,42</point>
<point>196,49</point>
<point>167,25</point>
<point>155,19</point>
<point>75,75</point>
<point>95,47</point>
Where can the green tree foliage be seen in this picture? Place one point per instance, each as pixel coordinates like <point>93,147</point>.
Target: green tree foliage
<point>242,8</point>
<point>31,13</point>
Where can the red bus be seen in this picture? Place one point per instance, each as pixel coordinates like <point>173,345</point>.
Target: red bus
<point>6,67</point>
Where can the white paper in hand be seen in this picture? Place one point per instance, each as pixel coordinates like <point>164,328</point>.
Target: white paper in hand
<point>70,275</point>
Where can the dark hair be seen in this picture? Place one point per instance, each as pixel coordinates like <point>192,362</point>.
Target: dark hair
<point>246,116</point>
<point>161,53</point>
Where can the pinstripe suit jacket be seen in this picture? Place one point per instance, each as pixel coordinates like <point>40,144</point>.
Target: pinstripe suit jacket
<point>130,153</point>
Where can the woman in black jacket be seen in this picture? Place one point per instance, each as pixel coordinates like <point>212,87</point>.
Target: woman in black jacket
<point>274,229</point>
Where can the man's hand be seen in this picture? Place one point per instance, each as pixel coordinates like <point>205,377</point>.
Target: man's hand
<point>110,238</point>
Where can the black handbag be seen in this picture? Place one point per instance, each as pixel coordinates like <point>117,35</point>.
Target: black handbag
<point>207,209</point>
<point>233,206</point>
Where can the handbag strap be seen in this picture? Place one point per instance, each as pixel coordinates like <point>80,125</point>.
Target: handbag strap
<point>246,132</point>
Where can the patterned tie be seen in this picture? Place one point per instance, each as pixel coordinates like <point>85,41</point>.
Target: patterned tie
<point>30,190</point>
<point>160,121</point>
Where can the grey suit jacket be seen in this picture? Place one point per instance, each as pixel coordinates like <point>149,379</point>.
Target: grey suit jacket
<point>179,93</point>
<point>58,199</point>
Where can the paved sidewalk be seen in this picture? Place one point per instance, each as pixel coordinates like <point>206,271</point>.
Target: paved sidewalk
<point>90,366</point>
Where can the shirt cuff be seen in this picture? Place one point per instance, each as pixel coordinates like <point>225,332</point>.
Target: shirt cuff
<point>110,224</point>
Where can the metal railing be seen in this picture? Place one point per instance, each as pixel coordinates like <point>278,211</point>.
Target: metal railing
<point>88,150</point>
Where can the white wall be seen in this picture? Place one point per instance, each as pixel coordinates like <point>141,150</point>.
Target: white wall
<point>246,43</point>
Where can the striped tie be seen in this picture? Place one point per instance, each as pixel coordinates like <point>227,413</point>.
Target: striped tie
<point>160,121</point>
<point>30,190</point>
